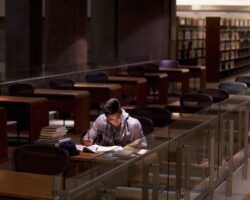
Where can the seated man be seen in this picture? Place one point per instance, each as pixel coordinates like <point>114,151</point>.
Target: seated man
<point>115,127</point>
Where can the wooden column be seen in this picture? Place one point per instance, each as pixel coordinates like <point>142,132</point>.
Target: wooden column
<point>23,38</point>
<point>65,35</point>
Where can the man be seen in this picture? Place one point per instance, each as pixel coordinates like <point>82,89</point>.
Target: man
<point>115,127</point>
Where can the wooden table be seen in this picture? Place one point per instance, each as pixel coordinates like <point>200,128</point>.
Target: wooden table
<point>31,113</point>
<point>100,92</point>
<point>158,79</point>
<point>3,134</point>
<point>197,72</point>
<point>162,84</point>
<point>25,185</point>
<point>191,117</point>
<point>167,132</point>
<point>178,74</point>
<point>132,87</point>
<point>84,156</point>
<point>76,102</point>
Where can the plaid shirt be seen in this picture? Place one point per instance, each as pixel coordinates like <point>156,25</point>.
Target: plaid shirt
<point>103,133</point>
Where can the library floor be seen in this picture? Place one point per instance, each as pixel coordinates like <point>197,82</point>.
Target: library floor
<point>240,187</point>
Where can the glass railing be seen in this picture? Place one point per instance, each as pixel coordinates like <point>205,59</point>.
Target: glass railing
<point>186,160</point>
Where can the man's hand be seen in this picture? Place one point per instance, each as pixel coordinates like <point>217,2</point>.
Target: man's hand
<point>87,141</point>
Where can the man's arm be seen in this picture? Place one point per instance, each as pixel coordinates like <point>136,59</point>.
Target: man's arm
<point>90,136</point>
<point>139,138</point>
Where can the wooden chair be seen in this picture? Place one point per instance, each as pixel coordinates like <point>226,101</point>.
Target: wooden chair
<point>146,123</point>
<point>193,102</point>
<point>233,87</point>
<point>218,95</point>
<point>18,89</point>
<point>159,116</point>
<point>96,77</point>
<point>21,89</point>
<point>243,79</point>
<point>40,159</point>
<point>62,83</point>
<point>135,71</point>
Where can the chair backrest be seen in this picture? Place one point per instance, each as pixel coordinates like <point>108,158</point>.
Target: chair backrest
<point>243,79</point>
<point>193,102</point>
<point>62,83</point>
<point>168,64</point>
<point>96,77</point>
<point>135,71</point>
<point>151,67</point>
<point>21,89</point>
<point>159,116</point>
<point>146,123</point>
<point>218,95</point>
<point>40,159</point>
<point>233,87</point>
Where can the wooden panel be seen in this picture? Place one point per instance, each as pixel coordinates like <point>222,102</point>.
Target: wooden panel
<point>213,48</point>
<point>3,134</point>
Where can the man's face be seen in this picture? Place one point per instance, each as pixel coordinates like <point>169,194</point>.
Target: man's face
<point>115,119</point>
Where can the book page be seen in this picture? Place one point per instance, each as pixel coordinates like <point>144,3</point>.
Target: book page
<point>100,149</point>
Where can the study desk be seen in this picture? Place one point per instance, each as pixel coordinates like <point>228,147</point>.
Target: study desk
<point>194,117</point>
<point>197,72</point>
<point>25,185</point>
<point>100,92</point>
<point>178,74</point>
<point>161,82</point>
<point>76,102</point>
<point>157,80</point>
<point>31,113</point>
<point>3,133</point>
<point>132,87</point>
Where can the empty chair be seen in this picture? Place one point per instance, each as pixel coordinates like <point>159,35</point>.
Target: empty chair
<point>151,67</point>
<point>218,95</point>
<point>96,77</point>
<point>18,89</point>
<point>62,83</point>
<point>135,71</point>
<point>243,79</point>
<point>146,123</point>
<point>233,87</point>
<point>168,64</point>
<point>193,102</point>
<point>21,89</point>
<point>159,116</point>
<point>40,159</point>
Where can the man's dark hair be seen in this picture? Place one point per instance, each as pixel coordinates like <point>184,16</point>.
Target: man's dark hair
<point>111,107</point>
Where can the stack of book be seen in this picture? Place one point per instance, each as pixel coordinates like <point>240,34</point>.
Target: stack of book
<point>52,134</point>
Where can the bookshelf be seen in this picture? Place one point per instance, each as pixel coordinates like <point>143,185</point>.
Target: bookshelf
<point>227,46</point>
<point>191,41</point>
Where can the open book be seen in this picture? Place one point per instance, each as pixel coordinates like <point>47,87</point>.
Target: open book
<point>98,149</point>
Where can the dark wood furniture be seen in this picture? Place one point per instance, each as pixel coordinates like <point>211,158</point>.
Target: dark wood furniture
<point>25,185</point>
<point>75,102</point>
<point>197,72</point>
<point>31,113</point>
<point>178,74</point>
<point>3,134</point>
<point>100,92</point>
<point>159,81</point>
<point>132,87</point>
